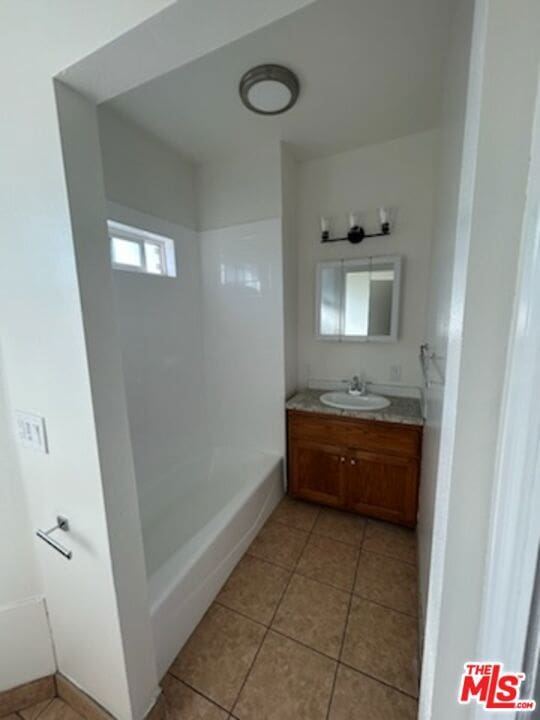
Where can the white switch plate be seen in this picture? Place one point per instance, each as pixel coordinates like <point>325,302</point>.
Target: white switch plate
<point>31,431</point>
<point>395,373</point>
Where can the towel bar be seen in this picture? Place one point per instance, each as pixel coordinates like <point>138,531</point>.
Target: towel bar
<point>62,523</point>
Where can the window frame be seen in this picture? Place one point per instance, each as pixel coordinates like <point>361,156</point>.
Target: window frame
<point>141,237</point>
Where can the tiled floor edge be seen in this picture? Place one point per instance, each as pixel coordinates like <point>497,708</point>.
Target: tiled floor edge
<point>27,694</point>
<point>90,709</point>
<point>79,701</point>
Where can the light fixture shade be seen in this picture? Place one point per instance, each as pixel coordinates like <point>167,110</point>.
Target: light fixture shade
<point>269,89</point>
<point>384,215</point>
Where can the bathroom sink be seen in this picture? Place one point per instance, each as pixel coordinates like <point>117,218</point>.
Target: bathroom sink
<point>346,401</point>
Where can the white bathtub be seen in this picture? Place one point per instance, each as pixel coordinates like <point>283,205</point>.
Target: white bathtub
<point>196,530</point>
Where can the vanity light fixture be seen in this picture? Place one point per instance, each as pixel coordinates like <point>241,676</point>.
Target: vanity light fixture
<point>356,232</point>
<point>269,89</point>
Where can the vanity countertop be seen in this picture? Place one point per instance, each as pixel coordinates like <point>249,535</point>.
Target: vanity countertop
<point>403,410</point>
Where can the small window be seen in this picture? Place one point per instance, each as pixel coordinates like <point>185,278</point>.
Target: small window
<point>126,252</point>
<point>137,250</point>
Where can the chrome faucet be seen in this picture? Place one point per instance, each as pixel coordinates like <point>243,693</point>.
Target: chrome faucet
<point>357,386</point>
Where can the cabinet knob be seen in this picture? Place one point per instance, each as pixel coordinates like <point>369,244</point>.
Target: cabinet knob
<point>353,462</point>
<point>342,459</point>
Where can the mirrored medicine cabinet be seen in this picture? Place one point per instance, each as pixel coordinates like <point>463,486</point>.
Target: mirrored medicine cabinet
<point>358,300</point>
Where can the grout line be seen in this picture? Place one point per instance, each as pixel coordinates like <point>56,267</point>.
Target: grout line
<point>323,582</point>
<point>280,632</point>
<point>47,700</point>
<point>318,533</point>
<point>351,667</point>
<point>268,628</point>
<point>391,557</point>
<point>242,614</point>
<point>278,604</point>
<point>345,626</point>
<point>308,577</point>
<point>378,679</point>
<point>197,692</point>
<point>48,704</point>
<point>260,559</point>
<point>331,585</point>
<point>303,644</point>
<point>386,607</point>
<point>256,557</point>
<point>287,525</point>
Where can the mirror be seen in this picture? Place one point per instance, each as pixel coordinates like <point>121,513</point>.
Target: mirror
<point>358,299</point>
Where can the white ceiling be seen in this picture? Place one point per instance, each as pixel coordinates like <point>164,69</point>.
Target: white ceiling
<point>370,71</point>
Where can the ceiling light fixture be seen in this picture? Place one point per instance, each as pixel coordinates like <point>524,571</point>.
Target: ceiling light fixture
<point>269,89</point>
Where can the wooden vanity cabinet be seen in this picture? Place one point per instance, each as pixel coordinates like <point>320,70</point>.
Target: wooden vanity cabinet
<point>363,466</point>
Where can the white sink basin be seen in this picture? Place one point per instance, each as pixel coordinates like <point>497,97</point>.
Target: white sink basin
<point>345,401</point>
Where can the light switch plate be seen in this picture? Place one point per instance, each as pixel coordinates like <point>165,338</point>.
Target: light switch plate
<point>31,431</point>
<point>395,373</point>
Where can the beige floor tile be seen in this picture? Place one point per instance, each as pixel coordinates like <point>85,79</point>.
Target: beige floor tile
<point>382,643</point>
<point>33,712</point>
<point>357,697</point>
<point>279,544</point>
<point>287,682</point>
<point>26,695</point>
<point>218,655</point>
<point>12,716</point>
<point>313,614</point>
<point>59,710</point>
<point>80,701</point>
<point>387,581</point>
<point>182,703</point>
<point>254,588</point>
<point>159,710</point>
<point>390,540</point>
<point>296,514</point>
<point>329,562</point>
<point>343,526</point>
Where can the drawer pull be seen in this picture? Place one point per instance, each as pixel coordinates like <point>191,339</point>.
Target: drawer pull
<point>353,462</point>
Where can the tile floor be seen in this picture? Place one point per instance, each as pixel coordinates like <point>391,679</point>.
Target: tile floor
<point>53,709</point>
<point>317,622</point>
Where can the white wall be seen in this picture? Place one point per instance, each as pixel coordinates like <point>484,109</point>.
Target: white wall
<point>24,627</point>
<point>160,329</point>
<point>289,232</point>
<point>45,360</point>
<point>183,401</point>
<point>142,173</point>
<point>399,174</point>
<point>488,231</point>
<point>243,331</point>
<point>239,214</point>
<point>442,264</point>
<point>120,613</point>
<point>44,352</point>
<point>159,318</point>
<point>240,189</point>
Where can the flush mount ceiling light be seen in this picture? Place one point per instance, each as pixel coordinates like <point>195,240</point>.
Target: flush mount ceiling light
<point>269,89</point>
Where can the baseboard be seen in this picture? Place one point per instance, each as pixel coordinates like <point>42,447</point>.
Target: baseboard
<point>86,706</point>
<point>25,639</point>
<point>26,695</point>
<point>79,701</point>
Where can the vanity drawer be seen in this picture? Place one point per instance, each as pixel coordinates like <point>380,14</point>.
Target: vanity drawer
<point>355,434</point>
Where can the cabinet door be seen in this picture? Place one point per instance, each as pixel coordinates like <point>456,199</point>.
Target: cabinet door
<point>317,474</point>
<point>382,486</point>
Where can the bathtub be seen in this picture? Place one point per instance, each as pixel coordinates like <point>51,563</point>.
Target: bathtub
<point>196,530</point>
